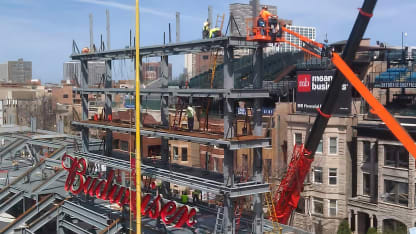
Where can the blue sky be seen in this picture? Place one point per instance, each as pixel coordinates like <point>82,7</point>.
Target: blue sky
<point>42,30</point>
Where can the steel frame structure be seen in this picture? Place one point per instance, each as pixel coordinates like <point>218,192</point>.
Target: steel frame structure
<point>229,190</point>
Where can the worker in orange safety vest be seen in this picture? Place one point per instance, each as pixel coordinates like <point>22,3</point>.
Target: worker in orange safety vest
<point>265,14</point>
<point>263,19</point>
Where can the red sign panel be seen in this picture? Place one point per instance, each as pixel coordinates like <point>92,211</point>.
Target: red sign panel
<point>104,189</point>
<point>304,83</point>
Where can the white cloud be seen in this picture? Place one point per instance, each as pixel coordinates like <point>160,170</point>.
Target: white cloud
<point>128,7</point>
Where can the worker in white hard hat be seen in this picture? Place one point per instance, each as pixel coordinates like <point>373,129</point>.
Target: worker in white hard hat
<point>190,112</point>
<point>205,29</point>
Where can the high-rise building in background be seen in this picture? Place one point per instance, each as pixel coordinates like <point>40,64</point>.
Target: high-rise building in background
<point>96,72</point>
<point>96,69</point>
<point>16,71</point>
<point>309,32</point>
<point>242,14</point>
<point>72,72</point>
<point>151,71</point>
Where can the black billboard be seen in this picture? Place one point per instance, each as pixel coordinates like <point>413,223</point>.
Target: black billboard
<point>312,87</point>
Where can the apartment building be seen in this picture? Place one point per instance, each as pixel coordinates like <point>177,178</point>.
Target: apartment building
<point>384,195</point>
<point>323,203</point>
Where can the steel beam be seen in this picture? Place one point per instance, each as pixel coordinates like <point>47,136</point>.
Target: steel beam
<point>258,131</point>
<point>29,214</point>
<point>9,203</point>
<point>49,181</point>
<point>231,144</point>
<point>175,92</point>
<point>108,108</point>
<point>229,131</point>
<point>194,182</point>
<point>72,227</point>
<point>115,227</point>
<point>44,219</point>
<point>86,215</point>
<point>84,100</point>
<point>169,49</point>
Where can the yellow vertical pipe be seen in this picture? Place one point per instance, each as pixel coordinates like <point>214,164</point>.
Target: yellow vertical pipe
<point>138,171</point>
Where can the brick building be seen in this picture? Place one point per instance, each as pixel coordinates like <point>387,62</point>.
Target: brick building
<point>323,203</point>
<point>384,195</point>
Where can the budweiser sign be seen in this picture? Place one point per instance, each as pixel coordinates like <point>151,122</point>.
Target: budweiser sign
<point>170,212</point>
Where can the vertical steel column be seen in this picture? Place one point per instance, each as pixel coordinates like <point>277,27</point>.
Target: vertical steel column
<point>84,98</point>
<point>107,12</point>
<point>228,163</point>
<point>258,131</point>
<point>178,26</point>
<point>164,111</point>
<point>164,115</point>
<point>91,34</point>
<point>108,107</point>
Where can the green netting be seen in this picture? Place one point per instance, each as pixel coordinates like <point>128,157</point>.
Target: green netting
<point>243,69</point>
<point>151,104</point>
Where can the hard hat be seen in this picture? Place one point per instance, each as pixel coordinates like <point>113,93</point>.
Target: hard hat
<point>85,50</point>
<point>265,7</point>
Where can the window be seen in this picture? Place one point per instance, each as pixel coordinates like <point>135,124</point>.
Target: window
<point>317,175</point>
<point>298,138</point>
<point>366,184</point>
<point>301,206</point>
<point>175,153</point>
<point>124,145</point>
<point>366,151</point>
<point>320,147</point>
<point>65,95</point>
<point>184,154</point>
<point>332,176</point>
<point>318,205</point>
<point>396,156</point>
<point>332,207</point>
<point>205,57</point>
<point>396,192</point>
<point>333,145</point>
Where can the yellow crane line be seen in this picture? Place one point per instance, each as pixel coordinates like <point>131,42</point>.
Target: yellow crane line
<point>137,122</point>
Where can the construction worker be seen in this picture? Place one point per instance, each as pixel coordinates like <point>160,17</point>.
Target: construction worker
<point>184,197</point>
<point>215,32</point>
<point>190,112</point>
<point>195,196</point>
<point>205,30</point>
<point>263,19</point>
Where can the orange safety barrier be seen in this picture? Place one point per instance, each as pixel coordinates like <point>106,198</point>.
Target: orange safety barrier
<point>378,109</point>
